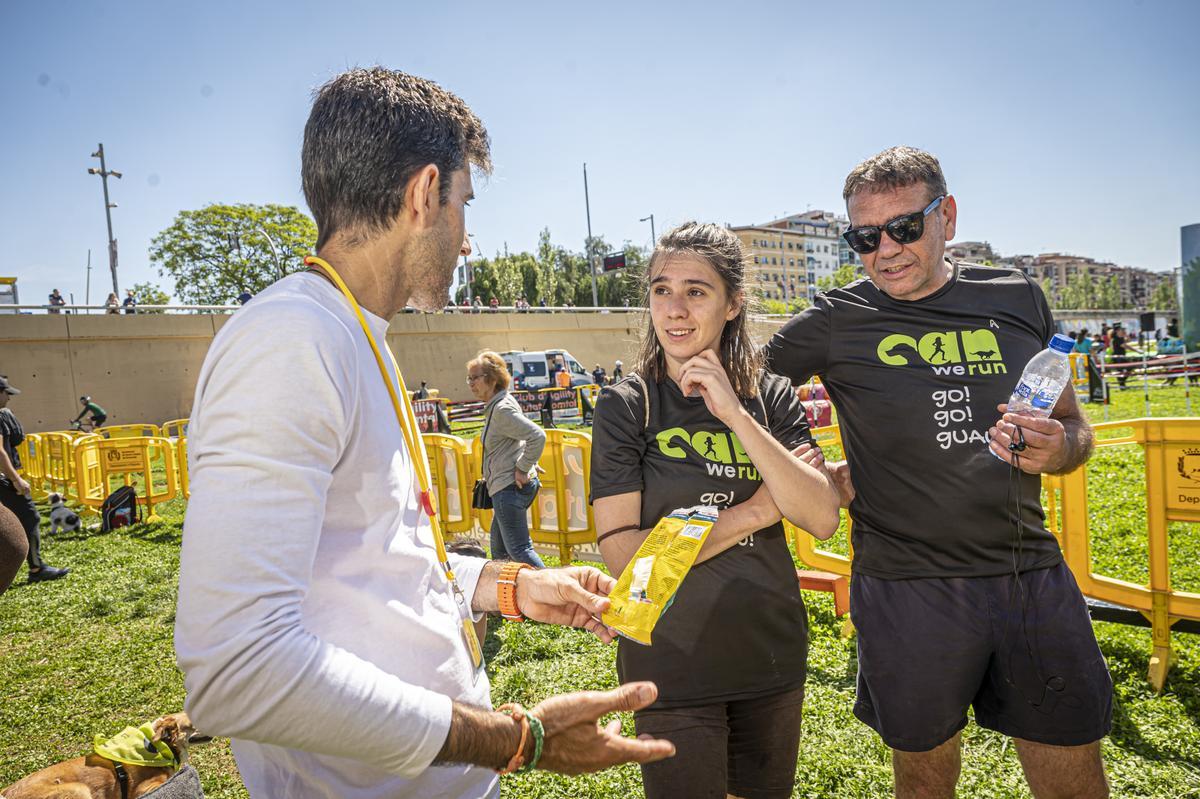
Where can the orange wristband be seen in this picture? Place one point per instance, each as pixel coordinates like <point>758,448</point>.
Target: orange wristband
<point>518,759</point>
<point>506,590</point>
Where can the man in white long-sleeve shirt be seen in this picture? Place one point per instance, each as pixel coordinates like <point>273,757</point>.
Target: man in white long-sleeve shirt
<point>315,625</point>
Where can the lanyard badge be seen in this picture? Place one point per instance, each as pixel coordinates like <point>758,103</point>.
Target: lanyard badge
<point>407,420</point>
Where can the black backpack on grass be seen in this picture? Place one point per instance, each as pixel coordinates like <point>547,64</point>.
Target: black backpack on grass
<point>120,509</point>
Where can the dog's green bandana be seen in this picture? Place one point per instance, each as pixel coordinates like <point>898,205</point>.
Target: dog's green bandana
<point>136,747</point>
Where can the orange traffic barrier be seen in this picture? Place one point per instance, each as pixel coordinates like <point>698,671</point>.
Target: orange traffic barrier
<point>836,584</point>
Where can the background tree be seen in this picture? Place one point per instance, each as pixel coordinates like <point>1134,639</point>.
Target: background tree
<point>1079,293</point>
<point>1108,294</point>
<point>547,261</point>
<point>1163,298</point>
<point>217,252</point>
<point>842,276</point>
<point>150,294</point>
<point>1051,294</point>
<point>779,307</point>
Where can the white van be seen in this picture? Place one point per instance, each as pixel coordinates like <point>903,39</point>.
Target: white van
<point>531,368</point>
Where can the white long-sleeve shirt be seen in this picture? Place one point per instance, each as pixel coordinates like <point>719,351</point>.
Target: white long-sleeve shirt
<point>315,626</point>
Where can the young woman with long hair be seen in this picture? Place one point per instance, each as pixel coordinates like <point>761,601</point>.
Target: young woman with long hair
<point>699,423</point>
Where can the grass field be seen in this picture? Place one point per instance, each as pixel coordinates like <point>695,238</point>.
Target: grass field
<point>92,654</point>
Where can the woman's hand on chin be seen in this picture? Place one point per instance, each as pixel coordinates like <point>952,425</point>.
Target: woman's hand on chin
<point>704,374</point>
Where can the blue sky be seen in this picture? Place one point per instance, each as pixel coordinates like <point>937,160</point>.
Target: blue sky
<point>1061,126</point>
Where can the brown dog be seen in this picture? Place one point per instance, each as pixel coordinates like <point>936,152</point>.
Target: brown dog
<point>96,777</point>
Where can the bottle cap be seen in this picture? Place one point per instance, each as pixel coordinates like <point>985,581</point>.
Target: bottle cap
<point>1061,343</point>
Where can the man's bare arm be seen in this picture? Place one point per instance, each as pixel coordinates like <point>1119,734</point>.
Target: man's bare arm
<point>480,737</point>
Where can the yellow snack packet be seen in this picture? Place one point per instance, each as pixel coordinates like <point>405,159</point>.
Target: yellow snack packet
<point>647,586</point>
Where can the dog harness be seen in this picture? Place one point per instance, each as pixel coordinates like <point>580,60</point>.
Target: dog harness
<point>136,747</point>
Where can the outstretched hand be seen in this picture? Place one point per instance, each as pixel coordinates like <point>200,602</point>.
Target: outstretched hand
<point>573,596</point>
<point>575,743</point>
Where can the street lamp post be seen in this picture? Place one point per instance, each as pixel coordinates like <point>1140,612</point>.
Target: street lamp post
<point>104,173</point>
<point>274,249</point>
<point>653,238</point>
<point>587,250</point>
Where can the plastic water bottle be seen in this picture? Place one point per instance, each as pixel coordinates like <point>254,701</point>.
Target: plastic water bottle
<point>1044,378</point>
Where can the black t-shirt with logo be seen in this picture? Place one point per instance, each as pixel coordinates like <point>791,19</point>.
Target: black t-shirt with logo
<point>916,385</point>
<point>738,627</point>
<point>11,436</point>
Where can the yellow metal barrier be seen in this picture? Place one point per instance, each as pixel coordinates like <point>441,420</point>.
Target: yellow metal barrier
<point>176,428</point>
<point>451,468</point>
<point>1172,453</point>
<point>181,466</point>
<point>1079,369</point>
<point>805,544</point>
<point>99,461</point>
<point>590,392</point>
<point>482,517</point>
<point>59,465</point>
<point>33,463</point>
<point>562,515</point>
<point>129,431</point>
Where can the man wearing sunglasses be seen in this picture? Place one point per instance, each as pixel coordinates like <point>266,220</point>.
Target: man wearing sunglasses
<point>960,595</point>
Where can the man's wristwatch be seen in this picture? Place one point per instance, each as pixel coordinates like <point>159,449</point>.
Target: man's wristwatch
<point>506,590</point>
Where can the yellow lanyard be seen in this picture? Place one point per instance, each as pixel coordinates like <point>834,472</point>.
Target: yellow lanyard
<point>406,417</point>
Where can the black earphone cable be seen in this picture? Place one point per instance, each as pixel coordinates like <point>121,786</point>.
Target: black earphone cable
<point>1052,684</point>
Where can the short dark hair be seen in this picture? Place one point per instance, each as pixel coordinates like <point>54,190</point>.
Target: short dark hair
<point>369,132</point>
<point>896,168</point>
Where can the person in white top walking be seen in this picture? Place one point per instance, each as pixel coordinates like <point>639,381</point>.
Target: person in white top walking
<point>317,625</point>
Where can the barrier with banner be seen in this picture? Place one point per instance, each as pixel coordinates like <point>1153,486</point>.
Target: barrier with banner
<point>101,465</point>
<point>561,515</point>
<point>426,411</point>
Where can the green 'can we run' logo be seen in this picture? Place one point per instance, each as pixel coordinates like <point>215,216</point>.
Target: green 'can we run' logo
<point>947,352</point>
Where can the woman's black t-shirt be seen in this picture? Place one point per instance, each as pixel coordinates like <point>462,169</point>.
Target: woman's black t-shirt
<point>738,627</point>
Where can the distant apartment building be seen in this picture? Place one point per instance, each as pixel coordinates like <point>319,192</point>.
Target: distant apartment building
<point>1135,286</point>
<point>790,256</point>
<point>777,265</point>
<point>1055,270</point>
<point>975,252</point>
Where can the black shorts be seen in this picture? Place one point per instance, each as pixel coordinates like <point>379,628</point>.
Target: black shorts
<point>746,747</point>
<point>930,648</point>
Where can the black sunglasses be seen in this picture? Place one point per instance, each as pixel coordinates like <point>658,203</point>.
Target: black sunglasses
<point>903,230</point>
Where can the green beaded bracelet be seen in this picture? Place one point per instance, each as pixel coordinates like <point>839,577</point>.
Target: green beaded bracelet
<point>539,738</point>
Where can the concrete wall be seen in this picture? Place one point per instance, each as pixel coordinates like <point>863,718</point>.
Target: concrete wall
<point>143,368</point>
